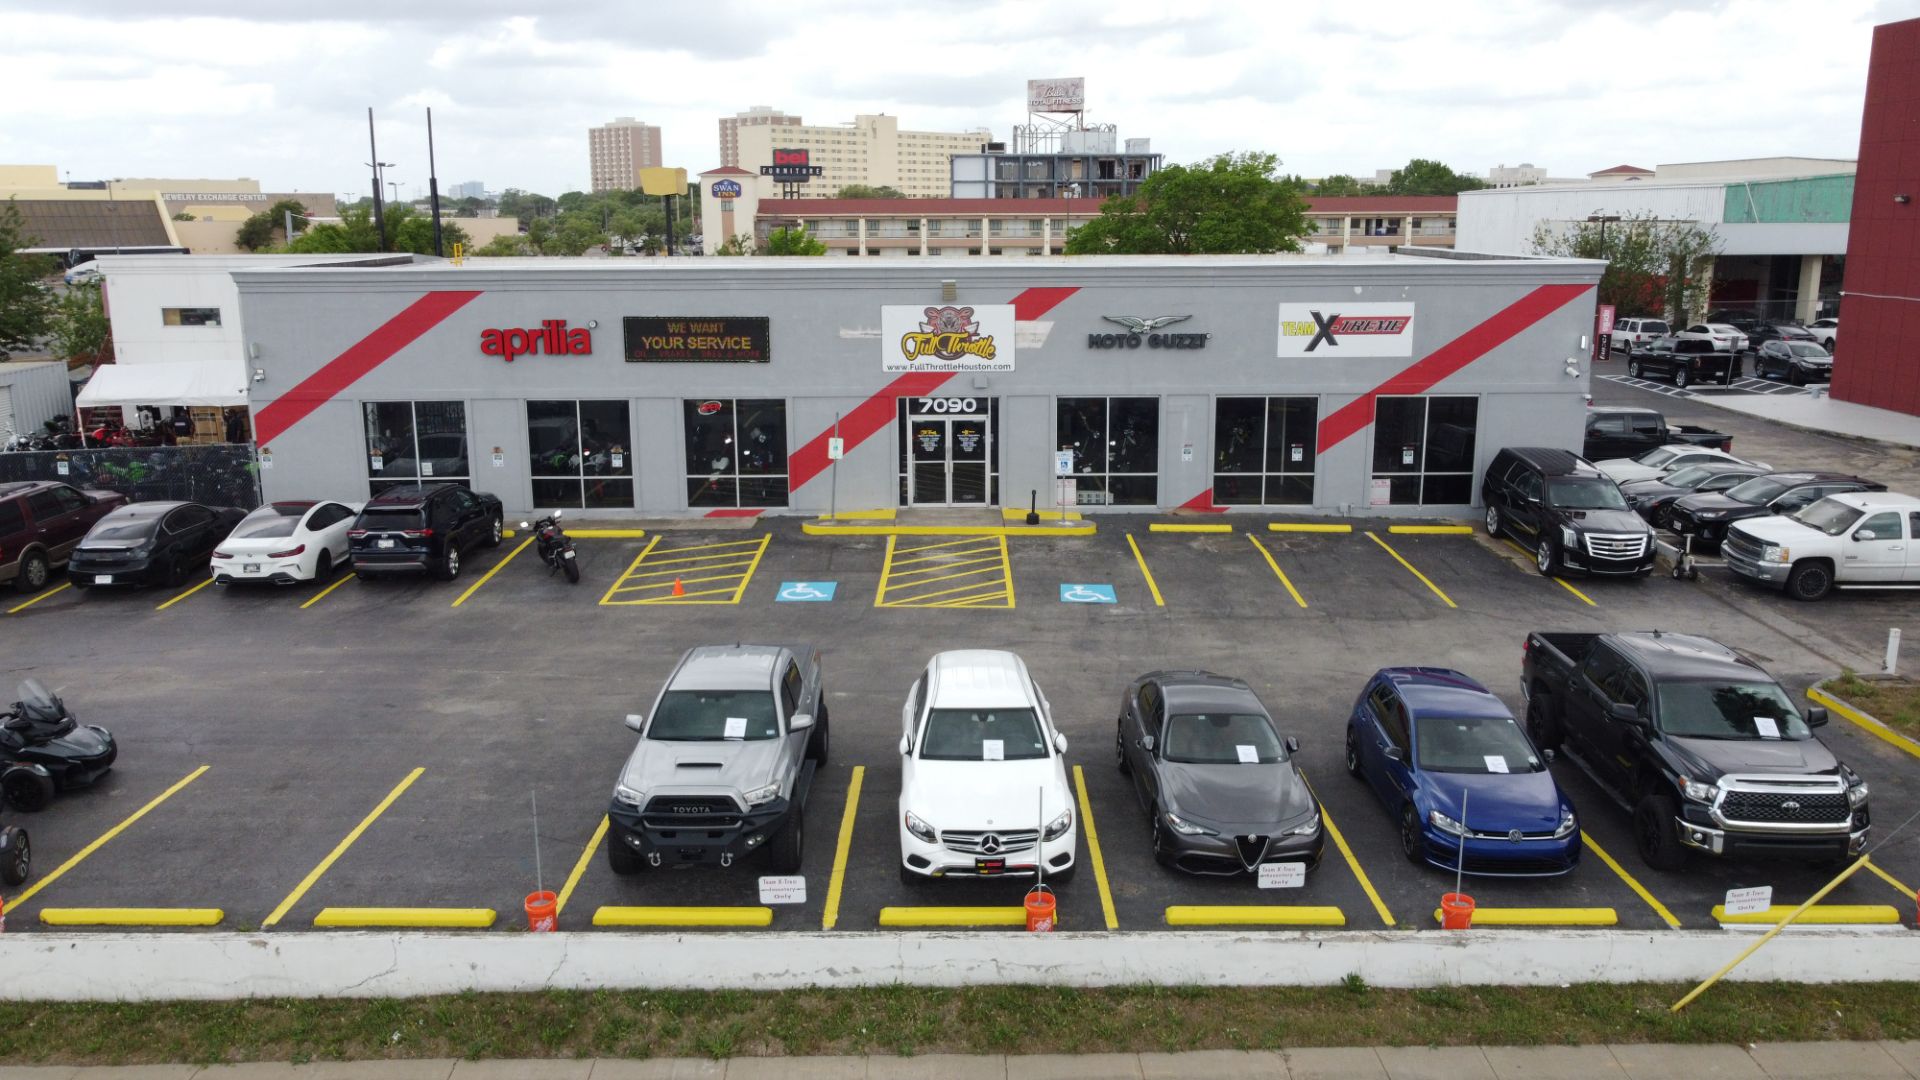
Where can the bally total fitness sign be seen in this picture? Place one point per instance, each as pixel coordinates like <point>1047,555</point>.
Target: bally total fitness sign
<point>946,338</point>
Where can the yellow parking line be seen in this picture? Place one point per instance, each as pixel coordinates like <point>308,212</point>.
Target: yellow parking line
<point>886,571</point>
<point>488,576</point>
<point>1411,570</point>
<point>683,916</point>
<point>1891,880</point>
<point>1145,573</point>
<point>184,595</point>
<point>1558,581</point>
<point>1339,841</point>
<point>340,849</point>
<point>439,918</point>
<point>1006,563</point>
<point>1253,915</point>
<point>832,915</point>
<point>580,867</point>
<point>131,916</point>
<point>1277,572</point>
<point>1547,916</point>
<point>1093,852</point>
<point>954,916</point>
<point>1863,721</point>
<point>42,596</point>
<point>1640,890</point>
<point>104,837</point>
<point>631,567</point>
<point>322,594</point>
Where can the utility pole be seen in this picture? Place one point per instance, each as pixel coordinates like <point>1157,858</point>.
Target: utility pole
<point>379,209</point>
<point>433,187</point>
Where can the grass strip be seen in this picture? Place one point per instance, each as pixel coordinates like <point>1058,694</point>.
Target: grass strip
<point>915,1020</point>
<point>1892,701</point>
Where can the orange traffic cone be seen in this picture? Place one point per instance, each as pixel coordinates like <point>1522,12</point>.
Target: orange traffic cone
<point>679,589</point>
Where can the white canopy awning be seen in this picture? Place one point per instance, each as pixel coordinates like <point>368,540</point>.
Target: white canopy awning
<point>201,382</point>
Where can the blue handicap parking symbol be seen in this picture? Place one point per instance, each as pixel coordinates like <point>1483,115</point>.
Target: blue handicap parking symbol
<point>1086,594</point>
<point>803,591</point>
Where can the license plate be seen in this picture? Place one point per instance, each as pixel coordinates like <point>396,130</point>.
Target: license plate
<point>384,544</point>
<point>103,579</point>
<point>989,866</point>
<point>250,568</point>
<point>567,555</point>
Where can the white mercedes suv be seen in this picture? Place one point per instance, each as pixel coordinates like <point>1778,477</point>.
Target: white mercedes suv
<point>983,786</point>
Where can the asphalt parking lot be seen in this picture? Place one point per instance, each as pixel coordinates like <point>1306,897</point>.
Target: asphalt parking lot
<point>380,745</point>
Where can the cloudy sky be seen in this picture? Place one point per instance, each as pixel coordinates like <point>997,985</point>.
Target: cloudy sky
<point>279,91</point>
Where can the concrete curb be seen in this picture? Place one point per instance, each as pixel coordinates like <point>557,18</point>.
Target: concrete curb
<point>1861,718</point>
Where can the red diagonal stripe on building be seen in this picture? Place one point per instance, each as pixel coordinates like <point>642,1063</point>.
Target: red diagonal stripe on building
<point>363,356</point>
<point>1427,373</point>
<point>871,416</point>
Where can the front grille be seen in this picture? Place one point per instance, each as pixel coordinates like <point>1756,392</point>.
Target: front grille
<point>1481,864</point>
<point>1624,548</point>
<point>1251,848</point>
<point>1771,807</point>
<point>1479,835</point>
<point>1739,545</point>
<point>691,805</point>
<point>973,841</point>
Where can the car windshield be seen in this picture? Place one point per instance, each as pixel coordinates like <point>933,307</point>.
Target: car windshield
<point>712,715</point>
<point>1222,738</point>
<point>1829,516</point>
<point>127,528</point>
<point>1719,710</point>
<point>1690,477</point>
<point>37,702</point>
<point>1763,489</point>
<point>1473,744</point>
<point>1659,455</point>
<point>1585,493</point>
<point>268,522</point>
<point>982,735</point>
<point>1805,348</point>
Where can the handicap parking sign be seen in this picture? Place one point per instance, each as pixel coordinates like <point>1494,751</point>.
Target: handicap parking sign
<point>1086,594</point>
<point>805,591</point>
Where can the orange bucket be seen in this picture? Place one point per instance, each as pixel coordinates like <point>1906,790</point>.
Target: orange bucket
<point>1456,911</point>
<point>542,912</point>
<point>1040,909</point>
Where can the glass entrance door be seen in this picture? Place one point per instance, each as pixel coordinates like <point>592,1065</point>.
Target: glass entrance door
<point>947,460</point>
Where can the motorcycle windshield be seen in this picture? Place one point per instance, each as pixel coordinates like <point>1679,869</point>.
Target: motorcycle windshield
<point>39,703</point>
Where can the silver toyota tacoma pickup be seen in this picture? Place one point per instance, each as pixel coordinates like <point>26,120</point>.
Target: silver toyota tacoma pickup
<point>724,762</point>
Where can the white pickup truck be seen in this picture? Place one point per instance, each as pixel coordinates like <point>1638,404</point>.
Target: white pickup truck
<point>1860,540</point>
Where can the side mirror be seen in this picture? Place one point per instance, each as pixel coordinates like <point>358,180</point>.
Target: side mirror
<point>1547,756</point>
<point>1864,534</point>
<point>1293,745</point>
<point>1146,743</point>
<point>1625,713</point>
<point>1816,717</point>
<point>636,721</point>
<point>906,745</point>
<point>799,721</point>
<point>1394,753</point>
<point>1060,742</point>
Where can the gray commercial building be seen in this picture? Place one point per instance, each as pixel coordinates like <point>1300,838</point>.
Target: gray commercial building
<point>628,387</point>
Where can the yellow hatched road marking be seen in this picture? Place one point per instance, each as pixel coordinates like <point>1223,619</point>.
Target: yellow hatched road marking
<point>1093,851</point>
<point>184,595</point>
<point>1640,890</point>
<point>631,567</point>
<point>1411,570</point>
<point>322,594</point>
<point>580,868</point>
<point>919,599</point>
<point>942,544</point>
<point>1277,572</point>
<point>969,601</point>
<point>886,572</point>
<point>711,547</point>
<point>745,561</point>
<point>57,588</point>
<point>488,576</point>
<point>695,560</point>
<point>340,849</point>
<point>943,565</point>
<point>832,915</point>
<point>975,572</point>
<point>1557,581</point>
<point>683,580</point>
<point>1000,578</point>
<point>684,598</point>
<point>103,838</point>
<point>1146,573</point>
<point>1366,883</point>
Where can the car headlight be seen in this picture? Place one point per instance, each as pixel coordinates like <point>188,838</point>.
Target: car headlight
<point>1856,788</point>
<point>1776,553</point>
<point>1186,828</point>
<point>760,796</point>
<point>1058,826</point>
<point>1569,538</point>
<point>920,829</point>
<point>1446,824</point>
<point>1697,790</point>
<point>628,796</point>
<point>1568,823</point>
<point>1307,827</point>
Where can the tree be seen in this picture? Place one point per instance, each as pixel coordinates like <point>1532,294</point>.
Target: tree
<point>864,191</point>
<point>184,215</point>
<point>737,245</point>
<point>1654,267</point>
<point>794,241</point>
<point>26,304</point>
<point>504,245</point>
<point>1340,184</point>
<point>1230,204</point>
<point>1424,177</point>
<point>80,330</point>
<point>525,205</point>
<point>406,230</point>
<point>259,230</point>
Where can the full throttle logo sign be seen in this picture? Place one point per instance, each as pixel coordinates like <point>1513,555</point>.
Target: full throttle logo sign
<point>1338,329</point>
<point>947,338</point>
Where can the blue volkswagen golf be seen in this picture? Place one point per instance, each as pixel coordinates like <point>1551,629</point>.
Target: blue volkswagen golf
<point>1432,739</point>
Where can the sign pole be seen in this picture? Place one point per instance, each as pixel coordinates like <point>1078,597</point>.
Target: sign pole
<point>833,479</point>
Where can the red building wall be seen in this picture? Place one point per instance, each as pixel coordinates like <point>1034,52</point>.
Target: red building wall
<point>1878,356</point>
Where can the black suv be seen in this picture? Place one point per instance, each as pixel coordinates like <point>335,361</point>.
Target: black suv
<point>1684,360</point>
<point>1568,513</point>
<point>1705,516</point>
<point>418,528</point>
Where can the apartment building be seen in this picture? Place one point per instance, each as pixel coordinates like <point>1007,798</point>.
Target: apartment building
<point>757,116</point>
<point>871,150</point>
<point>617,152</point>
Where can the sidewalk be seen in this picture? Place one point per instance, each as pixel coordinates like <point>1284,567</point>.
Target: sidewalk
<point>1820,413</point>
<point>1640,1061</point>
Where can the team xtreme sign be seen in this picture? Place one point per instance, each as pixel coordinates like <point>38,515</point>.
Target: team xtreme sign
<point>1339,329</point>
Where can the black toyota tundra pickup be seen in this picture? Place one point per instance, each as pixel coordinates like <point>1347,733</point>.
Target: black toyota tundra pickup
<point>1698,742</point>
<point>1616,431</point>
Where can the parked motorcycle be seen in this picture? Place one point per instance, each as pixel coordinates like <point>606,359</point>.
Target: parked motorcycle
<point>44,749</point>
<point>555,546</point>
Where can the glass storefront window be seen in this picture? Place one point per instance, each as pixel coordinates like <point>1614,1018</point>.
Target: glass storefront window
<point>736,451</point>
<point>1424,448</point>
<point>1264,450</point>
<point>1116,448</point>
<point>581,454</point>
<point>415,440</point>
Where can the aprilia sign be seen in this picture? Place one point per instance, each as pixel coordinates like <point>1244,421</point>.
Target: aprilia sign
<point>1342,329</point>
<point>551,337</point>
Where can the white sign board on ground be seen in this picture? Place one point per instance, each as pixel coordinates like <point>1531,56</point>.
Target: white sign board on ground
<point>783,890</point>
<point>948,337</point>
<point>1749,901</point>
<point>1283,875</point>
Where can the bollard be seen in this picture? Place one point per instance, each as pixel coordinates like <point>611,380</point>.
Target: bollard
<point>1893,651</point>
<point>1456,911</point>
<point>1040,910</point>
<point>542,912</point>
